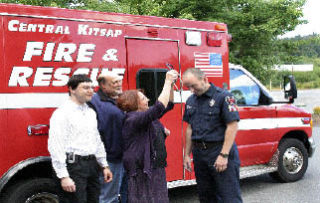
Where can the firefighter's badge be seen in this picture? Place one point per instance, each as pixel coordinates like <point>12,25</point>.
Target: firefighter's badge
<point>211,102</point>
<point>231,101</point>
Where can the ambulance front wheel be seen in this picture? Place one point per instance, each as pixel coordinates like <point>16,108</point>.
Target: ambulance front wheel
<point>292,162</point>
<point>32,191</point>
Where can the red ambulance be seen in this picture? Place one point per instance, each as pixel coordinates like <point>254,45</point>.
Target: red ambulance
<point>40,48</point>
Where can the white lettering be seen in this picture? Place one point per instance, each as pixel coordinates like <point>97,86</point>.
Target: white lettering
<point>33,49</point>
<point>43,76</point>
<point>118,33</point>
<point>49,29</point>
<point>12,25</point>
<point>59,30</point>
<point>66,30</point>
<point>84,55</point>
<point>111,55</point>
<point>109,33</point>
<point>19,76</point>
<point>82,29</point>
<point>103,32</point>
<point>15,25</point>
<point>32,28</point>
<point>41,27</point>
<point>48,52</point>
<point>61,76</point>
<point>23,27</point>
<point>94,75</point>
<point>64,51</point>
<point>96,31</point>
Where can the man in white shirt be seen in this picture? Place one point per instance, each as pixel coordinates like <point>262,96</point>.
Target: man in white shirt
<point>75,146</point>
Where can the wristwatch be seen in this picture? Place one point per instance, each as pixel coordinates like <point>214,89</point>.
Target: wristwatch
<point>224,155</point>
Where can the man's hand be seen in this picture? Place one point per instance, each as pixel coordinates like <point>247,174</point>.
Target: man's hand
<point>221,164</point>
<point>68,185</point>
<point>107,175</point>
<point>187,163</point>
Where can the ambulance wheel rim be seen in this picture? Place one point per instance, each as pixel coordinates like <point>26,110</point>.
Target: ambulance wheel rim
<point>292,160</point>
<point>43,197</point>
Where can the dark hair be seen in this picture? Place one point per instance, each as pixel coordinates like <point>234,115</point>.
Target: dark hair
<point>128,100</point>
<point>75,80</point>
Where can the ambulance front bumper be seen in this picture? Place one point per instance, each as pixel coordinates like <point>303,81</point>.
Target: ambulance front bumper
<point>312,146</point>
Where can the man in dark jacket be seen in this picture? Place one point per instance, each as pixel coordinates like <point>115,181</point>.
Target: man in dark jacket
<point>110,120</point>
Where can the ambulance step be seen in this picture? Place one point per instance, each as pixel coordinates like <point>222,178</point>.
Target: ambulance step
<point>255,170</point>
<point>179,183</point>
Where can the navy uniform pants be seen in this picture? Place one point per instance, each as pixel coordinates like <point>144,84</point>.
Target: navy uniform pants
<point>213,186</point>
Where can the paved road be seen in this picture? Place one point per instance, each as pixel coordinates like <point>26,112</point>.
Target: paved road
<point>263,188</point>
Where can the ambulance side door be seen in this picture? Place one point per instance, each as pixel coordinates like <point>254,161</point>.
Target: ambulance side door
<point>146,65</point>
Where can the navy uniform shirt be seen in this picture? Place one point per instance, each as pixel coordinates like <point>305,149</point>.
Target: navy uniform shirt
<point>209,113</point>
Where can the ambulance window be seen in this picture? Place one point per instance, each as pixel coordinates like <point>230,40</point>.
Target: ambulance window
<point>151,82</point>
<point>244,89</point>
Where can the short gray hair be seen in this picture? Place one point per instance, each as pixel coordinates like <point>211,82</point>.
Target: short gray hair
<point>102,78</point>
<point>196,72</point>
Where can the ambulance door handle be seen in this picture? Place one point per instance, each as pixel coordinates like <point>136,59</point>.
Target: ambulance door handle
<point>38,130</point>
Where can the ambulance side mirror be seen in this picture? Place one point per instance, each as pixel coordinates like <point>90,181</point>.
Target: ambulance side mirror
<point>290,88</point>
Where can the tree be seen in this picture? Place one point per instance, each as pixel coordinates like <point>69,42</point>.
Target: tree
<point>253,24</point>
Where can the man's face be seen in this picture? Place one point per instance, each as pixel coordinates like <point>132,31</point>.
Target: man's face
<point>112,86</point>
<point>83,93</point>
<point>194,84</point>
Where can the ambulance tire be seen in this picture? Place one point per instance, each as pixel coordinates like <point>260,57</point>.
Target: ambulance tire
<point>292,162</point>
<point>31,191</point>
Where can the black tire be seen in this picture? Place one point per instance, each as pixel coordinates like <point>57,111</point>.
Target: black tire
<point>32,191</point>
<point>292,162</point>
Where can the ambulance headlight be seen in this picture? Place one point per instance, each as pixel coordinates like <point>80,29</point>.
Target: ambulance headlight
<point>193,38</point>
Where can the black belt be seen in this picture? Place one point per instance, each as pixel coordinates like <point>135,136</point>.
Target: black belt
<point>206,145</point>
<point>72,158</point>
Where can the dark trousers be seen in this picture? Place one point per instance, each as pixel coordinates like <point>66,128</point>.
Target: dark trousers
<point>215,187</point>
<point>85,174</point>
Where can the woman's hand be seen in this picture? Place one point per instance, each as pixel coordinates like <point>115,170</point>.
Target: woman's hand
<point>172,76</point>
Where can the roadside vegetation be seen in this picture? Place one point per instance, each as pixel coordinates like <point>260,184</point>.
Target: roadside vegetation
<point>316,115</point>
<point>299,50</point>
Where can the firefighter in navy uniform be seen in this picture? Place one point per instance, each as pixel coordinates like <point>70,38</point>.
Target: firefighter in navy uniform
<point>212,117</point>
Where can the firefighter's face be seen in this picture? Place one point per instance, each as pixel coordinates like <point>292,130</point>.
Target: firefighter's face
<point>143,102</point>
<point>194,84</point>
<point>83,93</point>
<point>112,86</point>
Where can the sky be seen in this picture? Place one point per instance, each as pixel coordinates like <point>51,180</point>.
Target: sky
<point>311,12</point>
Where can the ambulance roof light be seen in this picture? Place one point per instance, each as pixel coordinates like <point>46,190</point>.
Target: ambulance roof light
<point>220,27</point>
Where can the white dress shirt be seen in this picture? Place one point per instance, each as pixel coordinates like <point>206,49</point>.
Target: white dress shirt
<point>73,128</point>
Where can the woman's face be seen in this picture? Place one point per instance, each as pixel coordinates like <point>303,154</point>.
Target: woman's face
<point>143,102</point>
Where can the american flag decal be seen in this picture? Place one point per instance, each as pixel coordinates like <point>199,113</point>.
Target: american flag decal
<point>209,63</point>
